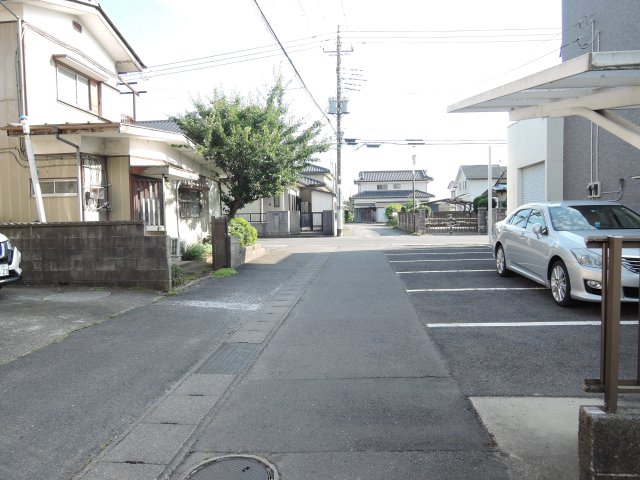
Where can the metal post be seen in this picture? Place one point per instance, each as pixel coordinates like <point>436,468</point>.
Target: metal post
<point>413,158</point>
<point>489,198</point>
<point>612,325</point>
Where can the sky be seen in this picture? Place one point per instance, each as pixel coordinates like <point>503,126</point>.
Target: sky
<point>404,62</point>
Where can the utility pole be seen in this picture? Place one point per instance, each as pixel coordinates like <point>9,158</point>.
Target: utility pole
<point>339,111</point>
<point>339,133</point>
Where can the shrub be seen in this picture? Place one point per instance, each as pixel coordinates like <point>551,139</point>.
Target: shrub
<point>197,251</point>
<point>391,210</point>
<point>177,276</point>
<point>348,215</point>
<point>246,233</point>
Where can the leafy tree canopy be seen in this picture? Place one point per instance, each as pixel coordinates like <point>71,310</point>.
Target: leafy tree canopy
<point>260,149</point>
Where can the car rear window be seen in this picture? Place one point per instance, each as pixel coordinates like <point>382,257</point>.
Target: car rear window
<point>593,217</point>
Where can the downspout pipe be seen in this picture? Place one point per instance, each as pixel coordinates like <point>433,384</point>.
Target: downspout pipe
<point>24,120</point>
<point>78,174</point>
<point>178,214</point>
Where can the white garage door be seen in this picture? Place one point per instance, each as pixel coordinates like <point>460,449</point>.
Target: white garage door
<point>532,185</point>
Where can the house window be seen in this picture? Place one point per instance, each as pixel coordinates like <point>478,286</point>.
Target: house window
<point>276,202</point>
<point>190,203</point>
<point>397,186</point>
<point>78,90</point>
<point>382,187</point>
<point>57,187</point>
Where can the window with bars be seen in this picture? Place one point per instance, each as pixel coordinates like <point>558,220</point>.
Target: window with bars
<point>190,203</point>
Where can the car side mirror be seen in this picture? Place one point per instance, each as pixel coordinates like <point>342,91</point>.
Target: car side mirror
<point>539,230</point>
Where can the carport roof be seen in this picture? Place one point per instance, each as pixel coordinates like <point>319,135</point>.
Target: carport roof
<point>583,76</point>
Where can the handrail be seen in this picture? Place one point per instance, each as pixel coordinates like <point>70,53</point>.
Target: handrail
<point>609,382</point>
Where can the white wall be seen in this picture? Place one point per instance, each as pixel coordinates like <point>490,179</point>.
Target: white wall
<point>43,106</point>
<point>321,201</point>
<point>530,142</point>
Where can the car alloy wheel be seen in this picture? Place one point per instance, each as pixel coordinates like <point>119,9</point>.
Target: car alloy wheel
<point>501,262</point>
<point>560,284</point>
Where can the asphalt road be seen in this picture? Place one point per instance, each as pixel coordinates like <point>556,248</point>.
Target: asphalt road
<point>501,342</point>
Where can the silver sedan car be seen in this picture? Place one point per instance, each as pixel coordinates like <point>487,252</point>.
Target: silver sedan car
<point>545,242</point>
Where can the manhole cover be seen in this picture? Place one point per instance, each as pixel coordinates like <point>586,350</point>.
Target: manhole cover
<point>239,467</point>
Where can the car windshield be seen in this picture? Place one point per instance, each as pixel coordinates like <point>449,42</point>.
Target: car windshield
<point>593,217</point>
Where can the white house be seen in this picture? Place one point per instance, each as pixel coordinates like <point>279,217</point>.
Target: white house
<point>69,116</point>
<point>471,181</point>
<point>379,189</point>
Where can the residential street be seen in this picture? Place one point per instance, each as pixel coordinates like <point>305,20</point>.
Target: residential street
<point>321,357</point>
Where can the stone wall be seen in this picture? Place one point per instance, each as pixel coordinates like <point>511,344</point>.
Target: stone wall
<point>412,222</point>
<point>96,254</point>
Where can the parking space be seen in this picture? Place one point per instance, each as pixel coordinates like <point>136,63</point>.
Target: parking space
<point>519,358</point>
<point>505,336</point>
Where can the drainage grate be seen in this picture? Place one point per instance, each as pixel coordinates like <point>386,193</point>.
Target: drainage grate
<point>230,359</point>
<point>233,468</point>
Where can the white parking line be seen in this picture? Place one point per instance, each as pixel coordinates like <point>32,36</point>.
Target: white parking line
<point>451,271</point>
<point>481,289</point>
<point>447,260</point>
<point>435,253</point>
<point>525,324</point>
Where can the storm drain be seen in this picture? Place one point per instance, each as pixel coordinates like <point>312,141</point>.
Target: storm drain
<point>238,467</point>
<point>230,359</point>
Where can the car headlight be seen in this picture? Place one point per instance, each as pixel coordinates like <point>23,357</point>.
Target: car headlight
<point>587,258</point>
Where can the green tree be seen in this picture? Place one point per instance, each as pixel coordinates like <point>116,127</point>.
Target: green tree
<point>408,208</point>
<point>259,148</point>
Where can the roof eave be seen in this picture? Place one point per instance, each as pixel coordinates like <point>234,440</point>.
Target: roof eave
<point>496,99</point>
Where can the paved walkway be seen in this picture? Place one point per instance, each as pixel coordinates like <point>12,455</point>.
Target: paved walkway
<point>333,375</point>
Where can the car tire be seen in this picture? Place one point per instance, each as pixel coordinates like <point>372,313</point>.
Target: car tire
<point>501,262</point>
<point>560,284</point>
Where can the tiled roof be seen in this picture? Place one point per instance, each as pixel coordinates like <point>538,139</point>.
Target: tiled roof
<point>382,194</point>
<point>311,168</point>
<point>476,172</point>
<point>310,182</point>
<point>393,176</point>
<point>164,125</point>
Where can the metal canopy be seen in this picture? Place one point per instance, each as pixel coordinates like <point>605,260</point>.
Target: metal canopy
<point>589,86</point>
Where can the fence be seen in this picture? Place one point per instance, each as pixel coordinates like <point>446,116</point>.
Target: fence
<point>450,223</point>
<point>96,254</point>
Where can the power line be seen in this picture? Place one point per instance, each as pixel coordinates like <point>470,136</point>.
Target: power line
<point>213,64</point>
<point>316,38</point>
<point>284,51</point>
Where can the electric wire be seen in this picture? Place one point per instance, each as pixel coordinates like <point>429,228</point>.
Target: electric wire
<point>284,51</point>
<point>206,65</point>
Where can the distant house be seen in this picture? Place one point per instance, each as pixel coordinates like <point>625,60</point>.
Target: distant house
<point>313,193</point>
<point>471,181</point>
<point>379,189</point>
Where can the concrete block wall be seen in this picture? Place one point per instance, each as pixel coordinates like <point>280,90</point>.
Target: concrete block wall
<point>97,254</point>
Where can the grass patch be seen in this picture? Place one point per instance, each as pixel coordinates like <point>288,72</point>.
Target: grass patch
<point>224,272</point>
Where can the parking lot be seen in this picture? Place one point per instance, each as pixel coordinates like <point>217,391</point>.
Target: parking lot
<point>512,349</point>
